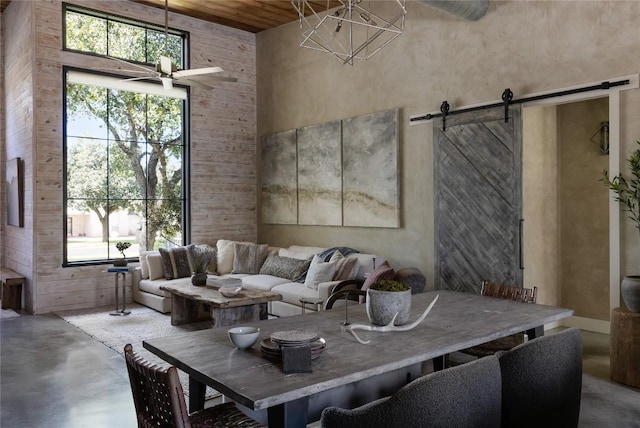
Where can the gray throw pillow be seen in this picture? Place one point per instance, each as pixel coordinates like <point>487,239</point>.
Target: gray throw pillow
<point>248,258</point>
<point>285,267</point>
<point>175,262</point>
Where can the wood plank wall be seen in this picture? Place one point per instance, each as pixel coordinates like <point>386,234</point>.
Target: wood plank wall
<point>223,146</point>
<point>18,136</point>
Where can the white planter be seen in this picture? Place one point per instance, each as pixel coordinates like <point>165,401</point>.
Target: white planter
<point>630,290</point>
<point>383,305</point>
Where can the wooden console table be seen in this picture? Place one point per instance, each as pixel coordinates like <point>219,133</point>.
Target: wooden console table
<point>12,283</point>
<point>625,347</point>
<point>192,303</point>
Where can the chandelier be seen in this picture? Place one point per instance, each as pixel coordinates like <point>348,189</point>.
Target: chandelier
<point>351,30</point>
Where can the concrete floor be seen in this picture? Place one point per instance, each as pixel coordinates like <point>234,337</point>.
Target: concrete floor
<point>54,375</point>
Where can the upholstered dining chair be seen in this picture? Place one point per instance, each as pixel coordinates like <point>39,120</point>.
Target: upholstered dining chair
<point>159,399</point>
<point>468,395</point>
<point>519,294</point>
<point>542,381</point>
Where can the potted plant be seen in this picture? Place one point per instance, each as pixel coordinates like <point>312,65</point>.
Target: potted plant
<point>627,192</point>
<point>201,257</point>
<point>121,246</point>
<point>385,299</point>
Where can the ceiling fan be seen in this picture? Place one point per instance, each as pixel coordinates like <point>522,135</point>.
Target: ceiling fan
<point>167,72</point>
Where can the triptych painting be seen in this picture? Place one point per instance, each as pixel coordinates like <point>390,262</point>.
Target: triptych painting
<point>339,173</point>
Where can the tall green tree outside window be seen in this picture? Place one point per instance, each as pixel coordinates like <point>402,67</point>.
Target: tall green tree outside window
<point>124,149</point>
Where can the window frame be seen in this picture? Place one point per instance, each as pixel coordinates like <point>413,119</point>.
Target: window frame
<point>111,17</point>
<point>185,167</point>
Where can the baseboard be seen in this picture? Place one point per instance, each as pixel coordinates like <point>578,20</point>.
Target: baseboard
<point>589,324</point>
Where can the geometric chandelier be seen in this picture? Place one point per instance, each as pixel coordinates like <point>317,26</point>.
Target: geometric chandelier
<point>351,30</point>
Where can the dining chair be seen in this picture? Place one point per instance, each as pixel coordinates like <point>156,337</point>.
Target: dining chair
<point>468,395</point>
<point>542,381</point>
<point>159,399</point>
<point>519,294</point>
<point>345,294</point>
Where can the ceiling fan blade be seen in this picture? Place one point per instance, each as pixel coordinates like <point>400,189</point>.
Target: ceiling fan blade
<point>165,65</point>
<point>197,71</point>
<point>132,64</point>
<point>196,84</point>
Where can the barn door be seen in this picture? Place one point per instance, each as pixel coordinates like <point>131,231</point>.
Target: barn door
<point>478,199</point>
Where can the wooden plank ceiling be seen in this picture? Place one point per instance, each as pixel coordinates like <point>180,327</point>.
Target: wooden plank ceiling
<point>248,15</point>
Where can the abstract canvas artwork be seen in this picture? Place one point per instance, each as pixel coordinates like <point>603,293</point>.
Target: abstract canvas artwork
<point>279,178</point>
<point>15,193</point>
<point>370,170</point>
<point>320,175</point>
<point>339,173</point>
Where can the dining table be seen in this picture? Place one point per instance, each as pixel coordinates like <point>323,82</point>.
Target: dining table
<point>457,321</point>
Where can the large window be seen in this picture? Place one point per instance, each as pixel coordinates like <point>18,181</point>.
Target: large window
<point>125,149</point>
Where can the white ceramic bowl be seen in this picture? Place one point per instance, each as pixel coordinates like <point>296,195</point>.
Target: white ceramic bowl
<point>230,291</point>
<point>243,337</point>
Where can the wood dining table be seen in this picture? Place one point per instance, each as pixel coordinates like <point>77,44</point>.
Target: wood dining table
<point>457,321</point>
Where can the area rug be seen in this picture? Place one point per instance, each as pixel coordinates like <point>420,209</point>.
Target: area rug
<point>143,323</point>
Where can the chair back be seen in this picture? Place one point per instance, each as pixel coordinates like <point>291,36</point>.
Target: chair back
<point>542,381</point>
<point>519,294</point>
<point>157,393</point>
<point>468,395</point>
<point>348,294</point>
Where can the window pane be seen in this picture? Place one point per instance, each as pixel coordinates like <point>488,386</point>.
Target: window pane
<point>86,33</point>
<point>164,120</point>
<point>127,116</point>
<point>82,103</point>
<point>86,171</point>
<point>122,181</point>
<point>156,48</point>
<point>126,41</point>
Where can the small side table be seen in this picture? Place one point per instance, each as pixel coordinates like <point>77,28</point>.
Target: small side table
<point>11,289</point>
<point>625,347</point>
<point>120,271</point>
<point>317,301</point>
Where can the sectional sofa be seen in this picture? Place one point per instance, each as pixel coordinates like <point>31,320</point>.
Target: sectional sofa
<point>295,272</point>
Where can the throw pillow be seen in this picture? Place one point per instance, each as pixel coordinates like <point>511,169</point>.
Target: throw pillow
<point>156,271</point>
<point>384,271</point>
<point>175,262</point>
<point>225,255</point>
<point>248,258</point>
<point>285,267</point>
<point>344,266</point>
<point>144,265</point>
<point>319,271</point>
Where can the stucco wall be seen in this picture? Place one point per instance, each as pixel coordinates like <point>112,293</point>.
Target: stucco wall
<point>526,46</point>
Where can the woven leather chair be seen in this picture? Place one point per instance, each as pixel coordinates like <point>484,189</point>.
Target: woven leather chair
<point>468,395</point>
<point>351,294</point>
<point>159,399</point>
<point>519,294</point>
<point>542,382</point>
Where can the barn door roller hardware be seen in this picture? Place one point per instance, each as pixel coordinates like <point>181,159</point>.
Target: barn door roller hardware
<point>507,99</point>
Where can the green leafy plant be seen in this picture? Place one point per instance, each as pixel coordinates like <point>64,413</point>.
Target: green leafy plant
<point>201,257</point>
<point>122,246</point>
<point>627,190</point>
<point>389,285</point>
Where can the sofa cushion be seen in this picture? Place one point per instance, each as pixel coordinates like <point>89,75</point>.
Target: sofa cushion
<point>300,252</point>
<point>262,282</point>
<point>153,287</point>
<point>292,292</point>
<point>248,258</point>
<point>144,266</point>
<point>175,262</point>
<point>285,267</point>
<point>154,261</point>
<point>318,272</point>
<point>225,255</point>
<point>345,266</point>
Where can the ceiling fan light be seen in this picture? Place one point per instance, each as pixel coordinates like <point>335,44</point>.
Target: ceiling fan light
<point>167,83</point>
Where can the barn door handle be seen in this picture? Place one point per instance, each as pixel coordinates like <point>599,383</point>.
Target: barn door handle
<point>520,230</point>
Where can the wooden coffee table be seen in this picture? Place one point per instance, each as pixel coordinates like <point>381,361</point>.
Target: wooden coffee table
<point>192,304</point>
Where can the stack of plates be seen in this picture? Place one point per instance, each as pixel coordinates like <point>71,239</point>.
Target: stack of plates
<point>271,347</point>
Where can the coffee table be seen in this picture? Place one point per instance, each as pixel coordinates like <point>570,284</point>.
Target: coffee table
<point>199,303</point>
